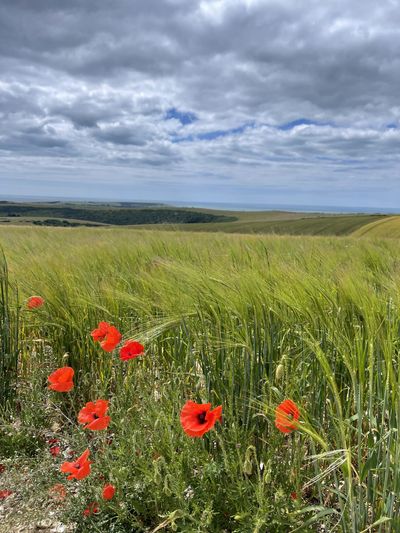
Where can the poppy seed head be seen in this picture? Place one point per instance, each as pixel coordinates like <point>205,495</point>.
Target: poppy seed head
<point>202,417</point>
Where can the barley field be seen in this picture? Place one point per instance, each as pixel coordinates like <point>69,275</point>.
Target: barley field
<point>239,321</point>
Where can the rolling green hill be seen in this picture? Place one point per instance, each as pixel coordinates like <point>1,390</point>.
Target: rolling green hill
<point>386,227</point>
<point>285,224</point>
<point>146,216</point>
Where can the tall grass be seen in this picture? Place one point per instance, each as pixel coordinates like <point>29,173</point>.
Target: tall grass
<point>9,338</point>
<point>241,321</point>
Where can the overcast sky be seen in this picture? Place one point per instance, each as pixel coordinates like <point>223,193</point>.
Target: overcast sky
<point>215,100</point>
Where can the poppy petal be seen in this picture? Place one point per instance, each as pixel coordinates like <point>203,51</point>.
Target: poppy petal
<point>34,302</point>
<point>99,423</point>
<point>286,416</point>
<point>108,492</point>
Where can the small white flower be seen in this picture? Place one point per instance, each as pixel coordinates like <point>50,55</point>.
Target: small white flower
<point>188,493</point>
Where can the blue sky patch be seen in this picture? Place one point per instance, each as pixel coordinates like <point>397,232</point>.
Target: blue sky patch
<point>184,117</point>
<point>211,135</point>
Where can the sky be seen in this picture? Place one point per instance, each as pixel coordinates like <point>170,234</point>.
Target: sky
<point>253,101</point>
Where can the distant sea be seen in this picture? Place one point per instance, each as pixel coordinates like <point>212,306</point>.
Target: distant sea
<point>218,205</point>
<point>287,207</point>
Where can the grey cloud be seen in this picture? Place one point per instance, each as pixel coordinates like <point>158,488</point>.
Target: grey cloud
<point>121,135</point>
<point>91,82</point>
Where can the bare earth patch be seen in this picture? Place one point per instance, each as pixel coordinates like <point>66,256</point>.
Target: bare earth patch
<point>32,506</point>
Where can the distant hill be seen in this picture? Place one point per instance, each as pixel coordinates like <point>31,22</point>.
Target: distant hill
<point>110,215</point>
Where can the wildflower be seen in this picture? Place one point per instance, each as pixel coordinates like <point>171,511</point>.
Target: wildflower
<point>100,333</point>
<point>78,469</point>
<point>34,301</point>
<point>53,448</point>
<point>58,492</point>
<point>198,418</point>
<point>94,415</point>
<point>188,493</point>
<point>61,379</point>
<point>108,336</point>
<point>5,494</point>
<point>92,508</point>
<point>294,496</point>
<point>108,492</point>
<point>286,416</point>
<point>2,468</point>
<point>130,350</point>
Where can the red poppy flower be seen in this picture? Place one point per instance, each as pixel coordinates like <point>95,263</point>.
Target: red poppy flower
<point>58,492</point>
<point>61,379</point>
<point>5,494</point>
<point>34,301</point>
<point>100,332</point>
<point>55,450</point>
<point>108,336</point>
<point>78,469</point>
<point>130,350</point>
<point>94,415</point>
<point>108,492</point>
<point>198,418</point>
<point>92,508</point>
<point>2,468</point>
<point>286,416</point>
<point>293,496</point>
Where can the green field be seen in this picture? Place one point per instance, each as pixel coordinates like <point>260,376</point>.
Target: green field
<point>385,227</point>
<point>143,216</point>
<point>284,223</point>
<point>242,321</point>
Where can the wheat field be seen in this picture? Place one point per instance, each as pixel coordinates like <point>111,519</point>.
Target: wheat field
<point>239,321</point>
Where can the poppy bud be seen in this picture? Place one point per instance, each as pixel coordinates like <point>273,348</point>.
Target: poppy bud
<point>280,369</point>
<point>247,467</point>
<point>267,473</point>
